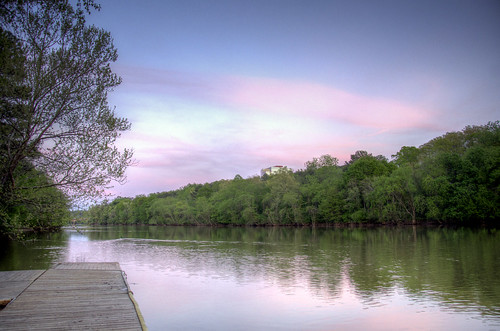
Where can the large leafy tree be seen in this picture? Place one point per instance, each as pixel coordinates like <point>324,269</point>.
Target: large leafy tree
<point>55,116</point>
<point>282,202</point>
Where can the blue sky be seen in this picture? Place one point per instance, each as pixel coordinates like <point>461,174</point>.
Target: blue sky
<point>219,88</point>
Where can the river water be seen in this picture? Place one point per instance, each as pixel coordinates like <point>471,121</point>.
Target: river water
<point>201,278</point>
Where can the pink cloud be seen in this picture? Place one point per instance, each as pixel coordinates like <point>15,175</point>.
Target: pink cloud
<point>282,97</point>
<point>321,101</point>
<point>197,128</point>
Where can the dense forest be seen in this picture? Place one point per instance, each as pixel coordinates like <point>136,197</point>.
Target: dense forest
<point>452,178</point>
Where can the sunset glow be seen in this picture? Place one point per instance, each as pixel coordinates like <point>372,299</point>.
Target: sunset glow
<point>214,90</point>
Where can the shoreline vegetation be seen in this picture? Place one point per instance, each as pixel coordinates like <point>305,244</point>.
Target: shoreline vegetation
<point>452,179</point>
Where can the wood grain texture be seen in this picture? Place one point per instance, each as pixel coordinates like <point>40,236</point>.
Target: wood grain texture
<point>91,296</point>
<point>12,283</point>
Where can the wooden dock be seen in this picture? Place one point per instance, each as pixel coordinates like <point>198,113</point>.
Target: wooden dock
<point>90,296</point>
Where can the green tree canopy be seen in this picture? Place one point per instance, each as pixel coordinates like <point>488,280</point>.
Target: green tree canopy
<point>452,178</point>
<point>55,80</point>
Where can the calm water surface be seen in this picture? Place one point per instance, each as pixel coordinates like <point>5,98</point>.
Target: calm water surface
<point>291,278</point>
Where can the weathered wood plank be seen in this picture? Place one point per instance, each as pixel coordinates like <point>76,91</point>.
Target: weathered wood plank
<point>74,296</point>
<point>88,266</point>
<point>12,283</point>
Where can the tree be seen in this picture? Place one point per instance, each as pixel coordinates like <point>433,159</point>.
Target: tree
<point>235,202</point>
<point>61,123</point>
<point>282,202</point>
<point>407,155</point>
<point>395,197</point>
<point>42,209</point>
<point>320,193</point>
<point>12,89</point>
<point>323,161</point>
<point>359,183</point>
<point>462,178</point>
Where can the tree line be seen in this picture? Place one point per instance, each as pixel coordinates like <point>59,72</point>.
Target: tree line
<point>452,178</point>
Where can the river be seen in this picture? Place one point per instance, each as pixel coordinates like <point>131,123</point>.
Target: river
<point>202,278</point>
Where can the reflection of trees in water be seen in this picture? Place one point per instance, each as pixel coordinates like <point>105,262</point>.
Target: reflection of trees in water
<point>458,267</point>
<point>33,252</point>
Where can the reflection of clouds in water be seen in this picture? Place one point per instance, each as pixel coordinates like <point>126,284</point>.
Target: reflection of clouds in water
<point>75,236</point>
<point>268,283</point>
<point>213,260</point>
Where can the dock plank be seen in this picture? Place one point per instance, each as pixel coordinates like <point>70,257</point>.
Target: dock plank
<point>13,283</point>
<point>74,296</point>
<point>88,266</point>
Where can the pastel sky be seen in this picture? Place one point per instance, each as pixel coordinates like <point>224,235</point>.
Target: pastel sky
<point>216,88</point>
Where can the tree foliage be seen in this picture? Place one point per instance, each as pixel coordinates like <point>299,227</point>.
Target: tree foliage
<point>452,178</point>
<point>55,79</point>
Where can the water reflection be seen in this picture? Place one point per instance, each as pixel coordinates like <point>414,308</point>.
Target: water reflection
<point>35,252</point>
<point>295,278</point>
